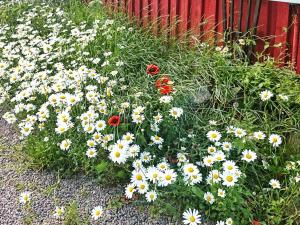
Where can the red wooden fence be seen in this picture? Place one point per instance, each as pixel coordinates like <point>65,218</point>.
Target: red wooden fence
<point>278,22</point>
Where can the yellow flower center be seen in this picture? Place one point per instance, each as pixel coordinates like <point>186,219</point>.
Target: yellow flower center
<point>215,176</point>
<point>117,154</point>
<point>168,177</point>
<point>139,177</point>
<point>192,219</point>
<point>229,178</point>
<point>190,169</point>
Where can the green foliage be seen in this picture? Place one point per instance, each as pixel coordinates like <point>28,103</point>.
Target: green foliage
<point>72,215</point>
<point>210,85</point>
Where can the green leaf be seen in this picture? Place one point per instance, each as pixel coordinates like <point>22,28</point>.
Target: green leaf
<point>198,191</point>
<point>102,167</point>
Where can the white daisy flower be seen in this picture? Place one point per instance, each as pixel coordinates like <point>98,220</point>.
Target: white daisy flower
<point>275,140</point>
<point>166,99</point>
<point>163,166</point>
<point>249,156</point>
<point>209,197</point>
<point>229,221</point>
<point>211,149</point>
<point>208,161</point>
<point>214,176</point>
<point>275,184</point>
<point>229,179</point>
<point>25,197</point>
<point>221,193</point>
<point>153,174</point>
<point>168,177</point>
<point>176,112</point>
<point>65,144</point>
<point>214,135</point>
<point>142,187</point>
<point>158,118</point>
<point>100,125</point>
<point>58,212</point>
<point>129,190</point>
<point>266,95</point>
<point>151,196</point>
<point>259,135</point>
<point>97,212</point>
<point>129,137</point>
<point>137,177</point>
<point>91,153</point>
<point>191,217</point>
<point>118,156</point>
<point>133,150</point>
<point>284,98</point>
<point>190,169</point>
<point>238,132</point>
<point>157,140</point>
<point>229,166</point>
<point>219,156</point>
<point>226,146</point>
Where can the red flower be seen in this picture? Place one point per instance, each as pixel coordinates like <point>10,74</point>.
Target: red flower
<point>165,89</point>
<point>162,81</point>
<point>114,121</point>
<point>255,222</point>
<point>152,69</point>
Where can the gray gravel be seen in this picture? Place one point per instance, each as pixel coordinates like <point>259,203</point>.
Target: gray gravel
<point>49,191</point>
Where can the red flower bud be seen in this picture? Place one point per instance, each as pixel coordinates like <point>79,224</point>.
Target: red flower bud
<point>114,121</point>
<point>152,69</point>
<point>165,89</point>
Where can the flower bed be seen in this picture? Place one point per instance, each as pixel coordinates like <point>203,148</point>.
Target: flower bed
<point>193,131</point>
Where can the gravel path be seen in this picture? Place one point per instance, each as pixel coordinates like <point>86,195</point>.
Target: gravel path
<point>49,191</point>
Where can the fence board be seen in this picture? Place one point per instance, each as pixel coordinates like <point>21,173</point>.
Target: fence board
<point>195,17</point>
<point>204,18</point>
<point>164,16</point>
<point>173,17</point>
<point>183,18</point>
<point>145,12</point>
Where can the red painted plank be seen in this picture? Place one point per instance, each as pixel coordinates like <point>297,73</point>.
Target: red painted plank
<point>137,11</point>
<point>145,12</point>
<point>282,23</point>
<point>297,45</point>
<point>210,11</point>
<point>164,15</point>
<point>219,23</point>
<point>173,17</point>
<point>294,34</point>
<point>154,15</point>
<point>298,58</point>
<point>183,18</point>
<point>262,28</point>
<point>195,18</point>
<point>130,8</point>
